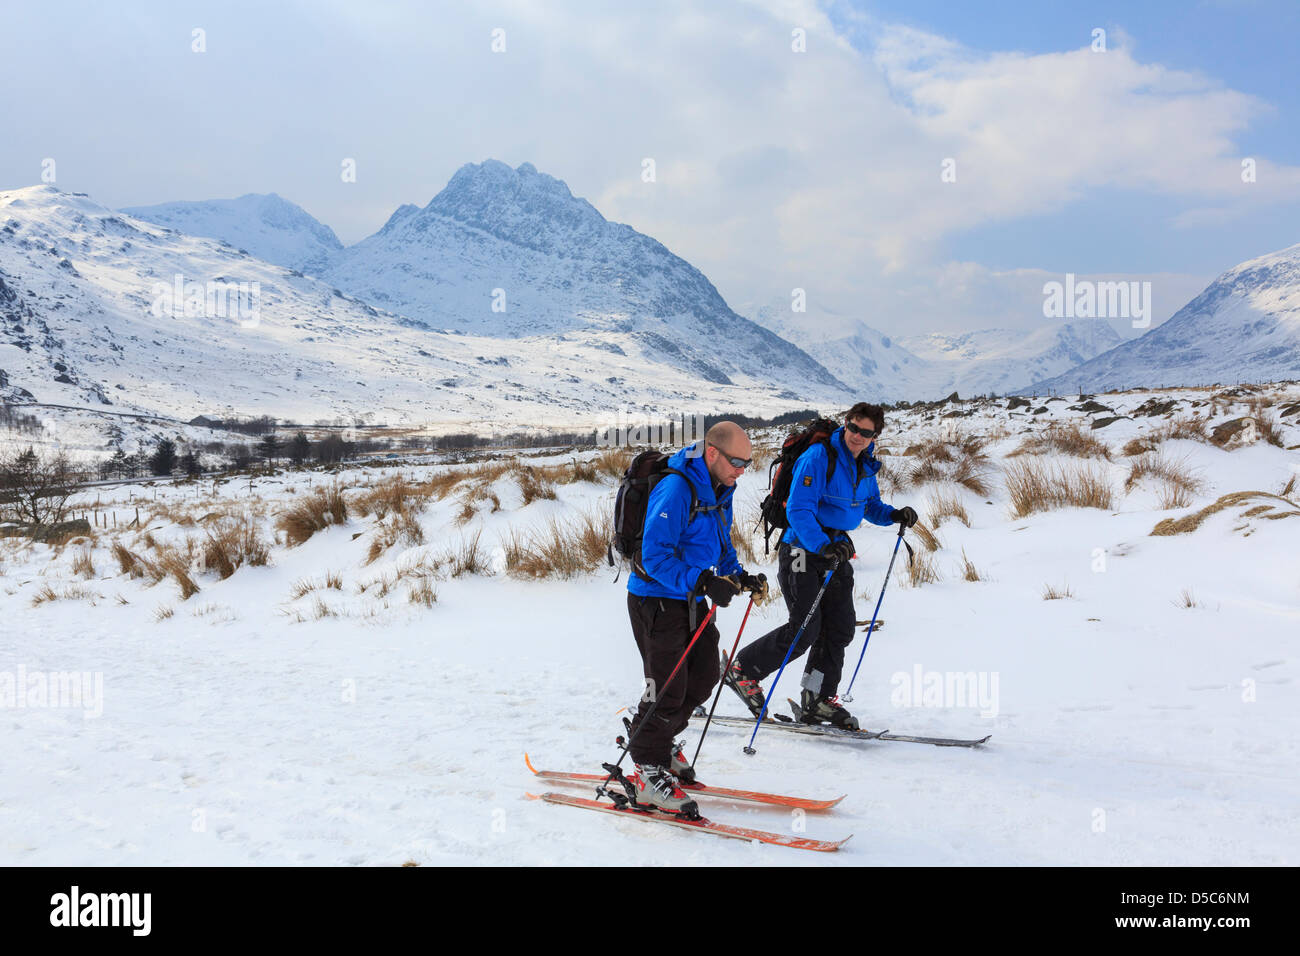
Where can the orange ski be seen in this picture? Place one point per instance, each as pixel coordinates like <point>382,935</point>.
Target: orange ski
<point>707,826</point>
<point>697,789</point>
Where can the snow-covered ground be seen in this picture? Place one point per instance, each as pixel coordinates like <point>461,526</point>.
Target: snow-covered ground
<point>352,726</point>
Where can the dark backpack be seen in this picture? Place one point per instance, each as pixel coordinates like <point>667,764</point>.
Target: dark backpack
<point>646,470</point>
<point>781,472</point>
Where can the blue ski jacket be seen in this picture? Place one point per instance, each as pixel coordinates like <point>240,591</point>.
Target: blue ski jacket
<point>677,546</point>
<point>817,508</point>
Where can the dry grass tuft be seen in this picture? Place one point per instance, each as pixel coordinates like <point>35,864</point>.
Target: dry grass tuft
<point>922,570</point>
<point>466,558</point>
<point>312,513</point>
<point>229,544</point>
<point>962,461</point>
<point>44,595</point>
<point>394,494</point>
<point>162,612</point>
<point>170,561</point>
<point>533,485</point>
<point>614,461</point>
<point>1257,503</point>
<point>944,505</point>
<point>423,591</point>
<point>401,526</point>
<point>969,571</point>
<point>1177,480</point>
<point>928,538</point>
<point>1187,599</point>
<point>1063,439</point>
<point>1035,486</point>
<point>83,564</point>
<point>562,549</point>
<point>1051,594</point>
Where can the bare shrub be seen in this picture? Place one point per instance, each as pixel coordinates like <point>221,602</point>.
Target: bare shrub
<point>1033,486</point>
<point>35,487</point>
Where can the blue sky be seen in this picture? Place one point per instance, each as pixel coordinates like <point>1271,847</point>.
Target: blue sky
<point>1252,46</point>
<point>776,169</point>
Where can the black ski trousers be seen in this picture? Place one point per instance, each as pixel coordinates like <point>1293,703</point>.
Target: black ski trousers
<point>662,630</point>
<point>828,633</point>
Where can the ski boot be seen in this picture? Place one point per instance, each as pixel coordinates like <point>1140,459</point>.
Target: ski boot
<point>655,787</point>
<point>825,710</point>
<point>748,689</point>
<point>681,767</point>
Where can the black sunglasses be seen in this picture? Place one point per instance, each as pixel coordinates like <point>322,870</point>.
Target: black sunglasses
<point>741,463</point>
<point>864,432</point>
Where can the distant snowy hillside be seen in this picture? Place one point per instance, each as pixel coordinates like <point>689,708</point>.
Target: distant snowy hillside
<point>88,319</point>
<point>266,226</point>
<point>1000,360</point>
<point>933,365</point>
<point>1245,327</point>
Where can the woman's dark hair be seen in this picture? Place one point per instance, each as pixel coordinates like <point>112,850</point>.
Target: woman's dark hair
<point>867,410</point>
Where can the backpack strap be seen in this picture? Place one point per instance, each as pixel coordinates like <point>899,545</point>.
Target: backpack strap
<point>696,508</point>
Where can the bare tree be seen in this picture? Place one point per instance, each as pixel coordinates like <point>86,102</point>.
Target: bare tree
<point>35,488</point>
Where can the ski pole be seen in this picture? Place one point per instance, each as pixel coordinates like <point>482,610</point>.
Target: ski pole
<point>811,611</point>
<point>901,528</point>
<point>727,667</point>
<point>613,770</point>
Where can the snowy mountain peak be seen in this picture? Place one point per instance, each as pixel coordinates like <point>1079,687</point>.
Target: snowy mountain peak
<point>522,206</point>
<point>1244,326</point>
<point>266,225</point>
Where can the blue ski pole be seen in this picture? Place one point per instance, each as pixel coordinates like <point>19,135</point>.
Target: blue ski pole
<point>811,611</point>
<point>848,698</point>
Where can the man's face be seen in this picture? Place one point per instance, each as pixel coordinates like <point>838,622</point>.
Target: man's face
<point>856,443</point>
<point>720,467</point>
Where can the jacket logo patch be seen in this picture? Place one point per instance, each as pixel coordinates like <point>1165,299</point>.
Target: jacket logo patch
<point>663,514</point>
<point>807,481</point>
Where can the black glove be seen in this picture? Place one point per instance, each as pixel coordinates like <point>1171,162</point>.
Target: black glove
<point>841,551</point>
<point>719,590</point>
<point>904,516</point>
<point>755,584</point>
